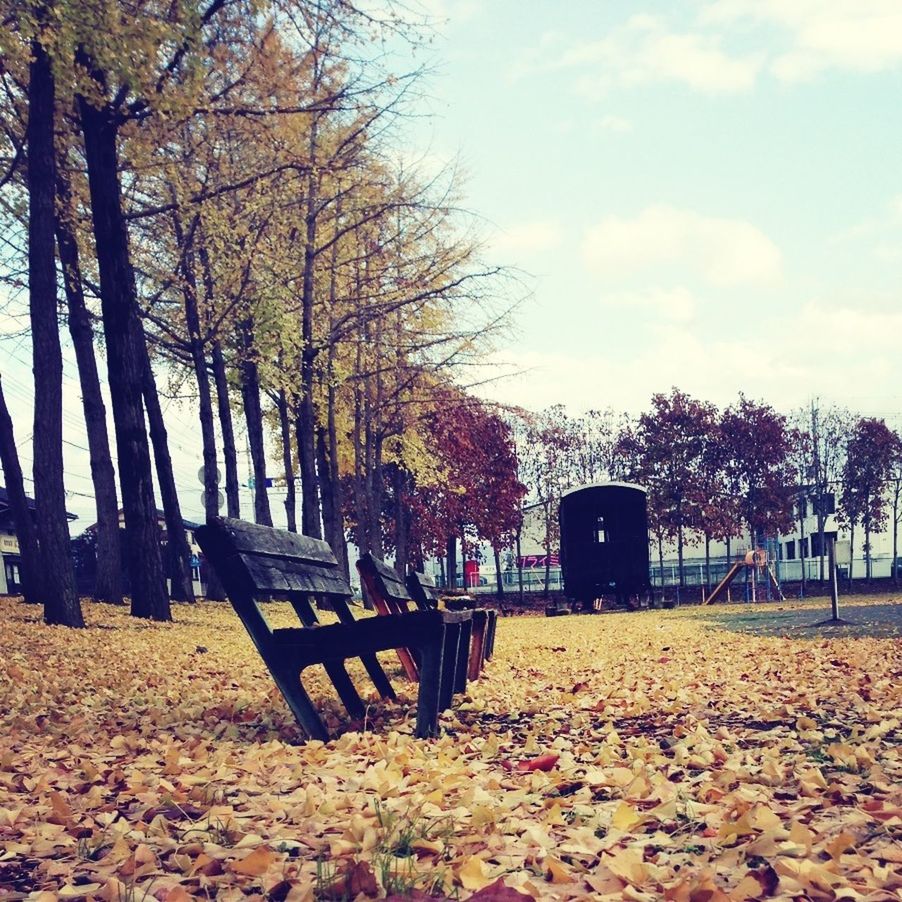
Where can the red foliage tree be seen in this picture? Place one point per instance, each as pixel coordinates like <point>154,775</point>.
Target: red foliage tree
<point>869,461</point>
<point>756,445</point>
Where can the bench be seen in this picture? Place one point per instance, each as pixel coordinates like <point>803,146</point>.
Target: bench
<point>255,562</point>
<point>389,596</point>
<point>423,590</point>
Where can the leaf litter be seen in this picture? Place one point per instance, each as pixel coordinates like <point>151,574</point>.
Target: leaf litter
<point>641,756</point>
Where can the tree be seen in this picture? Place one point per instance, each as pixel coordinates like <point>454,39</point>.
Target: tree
<point>61,602</point>
<point>670,441</point>
<point>108,580</point>
<point>546,468</point>
<point>870,453</point>
<point>827,429</point>
<point>756,444</point>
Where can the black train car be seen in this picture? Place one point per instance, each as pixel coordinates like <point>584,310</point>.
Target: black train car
<point>604,542</point>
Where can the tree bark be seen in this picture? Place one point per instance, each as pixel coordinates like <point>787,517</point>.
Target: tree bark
<point>61,603</point>
<point>520,567</point>
<point>229,451</point>
<point>498,580</point>
<point>108,578</point>
<point>214,591</point>
<point>287,461</point>
<point>451,575</point>
<point>253,415</point>
<point>122,331</point>
<point>306,425</point>
<point>178,552</point>
<point>26,532</point>
<point>402,525</point>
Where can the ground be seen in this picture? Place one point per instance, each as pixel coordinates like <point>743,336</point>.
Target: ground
<point>650,755</point>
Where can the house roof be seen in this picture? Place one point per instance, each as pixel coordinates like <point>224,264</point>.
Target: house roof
<point>188,524</point>
<point>4,504</point>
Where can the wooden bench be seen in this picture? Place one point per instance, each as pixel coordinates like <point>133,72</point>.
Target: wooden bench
<point>389,596</point>
<point>423,590</point>
<point>257,562</point>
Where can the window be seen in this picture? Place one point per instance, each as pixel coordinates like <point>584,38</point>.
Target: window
<point>600,533</point>
<point>790,551</point>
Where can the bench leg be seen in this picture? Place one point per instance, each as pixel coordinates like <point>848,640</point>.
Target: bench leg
<point>490,635</point>
<point>377,675</point>
<point>430,687</point>
<point>288,679</point>
<point>346,690</point>
<point>449,664</point>
<point>463,656</point>
<point>477,649</point>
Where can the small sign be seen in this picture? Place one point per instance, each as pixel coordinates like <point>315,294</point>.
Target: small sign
<point>843,552</point>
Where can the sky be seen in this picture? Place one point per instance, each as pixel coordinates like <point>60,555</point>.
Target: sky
<point>701,194</point>
<point>705,194</point>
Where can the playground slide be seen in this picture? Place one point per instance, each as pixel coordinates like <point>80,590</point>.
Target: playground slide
<point>722,585</point>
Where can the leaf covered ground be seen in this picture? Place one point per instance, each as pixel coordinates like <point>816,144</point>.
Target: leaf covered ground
<point>642,755</point>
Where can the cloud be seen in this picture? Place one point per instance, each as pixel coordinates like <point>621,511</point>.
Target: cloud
<point>641,51</point>
<point>722,251</point>
<point>853,35</point>
<point>528,237</point>
<point>667,304</point>
<point>765,359</point>
<point>615,124</point>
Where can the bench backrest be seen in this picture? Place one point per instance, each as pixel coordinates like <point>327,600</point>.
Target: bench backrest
<point>385,578</point>
<point>254,561</point>
<point>272,561</point>
<point>422,590</point>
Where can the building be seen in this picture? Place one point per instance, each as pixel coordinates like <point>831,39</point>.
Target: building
<point>86,561</point>
<point>10,556</point>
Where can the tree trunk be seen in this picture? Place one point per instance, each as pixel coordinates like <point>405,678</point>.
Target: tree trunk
<point>499,583</point>
<point>802,557</point>
<point>287,461</point>
<point>895,537</point>
<point>253,415</point>
<point>125,361</point>
<point>108,578</point>
<point>867,549</point>
<point>204,395</point>
<point>338,542</point>
<point>306,426</point>
<point>178,552</point>
<point>61,602</point>
<point>402,525</point>
<point>520,597</point>
<point>851,554</point>
<point>451,575</point>
<point>680,573</point>
<point>229,452</point>
<point>707,564</point>
<point>661,563</point>
<point>332,519</point>
<point>26,532</point>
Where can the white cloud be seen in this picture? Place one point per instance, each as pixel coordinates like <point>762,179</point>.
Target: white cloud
<point>665,304</point>
<point>853,35</point>
<point>643,50</point>
<point>722,251</point>
<point>528,237</point>
<point>764,358</point>
<point>616,124</point>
